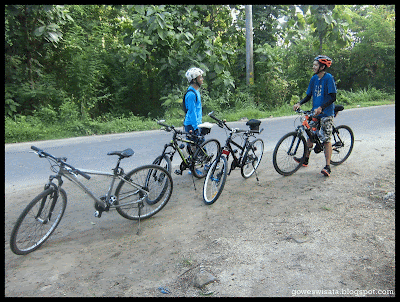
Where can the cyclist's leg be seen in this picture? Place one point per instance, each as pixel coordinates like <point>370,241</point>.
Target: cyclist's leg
<point>190,148</point>
<point>326,127</point>
<point>306,154</point>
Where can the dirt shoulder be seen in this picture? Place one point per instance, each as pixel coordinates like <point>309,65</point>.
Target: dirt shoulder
<point>283,236</point>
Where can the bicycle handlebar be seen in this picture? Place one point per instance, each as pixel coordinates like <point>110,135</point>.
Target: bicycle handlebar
<point>62,160</point>
<point>221,124</point>
<point>172,128</point>
<point>310,113</point>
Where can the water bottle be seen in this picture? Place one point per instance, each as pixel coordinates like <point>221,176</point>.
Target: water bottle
<point>184,150</point>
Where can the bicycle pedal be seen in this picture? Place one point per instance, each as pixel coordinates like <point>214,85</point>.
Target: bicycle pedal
<point>178,172</point>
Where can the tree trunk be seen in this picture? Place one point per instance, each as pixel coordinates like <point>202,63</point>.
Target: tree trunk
<point>249,46</point>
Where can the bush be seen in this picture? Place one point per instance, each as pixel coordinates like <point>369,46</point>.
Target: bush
<point>46,114</point>
<point>69,111</point>
<point>362,96</point>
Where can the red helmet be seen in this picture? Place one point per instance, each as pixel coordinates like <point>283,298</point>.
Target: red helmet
<point>324,60</point>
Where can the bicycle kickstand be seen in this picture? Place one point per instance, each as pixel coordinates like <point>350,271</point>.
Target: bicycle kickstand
<point>255,172</point>
<point>140,206</point>
<point>194,185</point>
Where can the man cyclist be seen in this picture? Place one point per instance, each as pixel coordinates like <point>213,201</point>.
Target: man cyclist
<point>322,90</point>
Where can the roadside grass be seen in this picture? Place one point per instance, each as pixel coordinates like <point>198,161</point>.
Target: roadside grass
<point>33,128</point>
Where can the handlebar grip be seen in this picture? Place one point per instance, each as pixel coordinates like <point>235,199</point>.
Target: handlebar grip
<point>82,173</point>
<point>41,152</point>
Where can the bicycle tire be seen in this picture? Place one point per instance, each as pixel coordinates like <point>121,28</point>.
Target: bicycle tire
<point>342,144</point>
<point>22,241</point>
<point>137,204</point>
<point>283,156</point>
<point>166,164</point>
<point>215,180</point>
<point>202,161</point>
<point>252,155</point>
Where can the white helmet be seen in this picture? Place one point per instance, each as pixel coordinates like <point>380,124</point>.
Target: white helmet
<point>193,73</point>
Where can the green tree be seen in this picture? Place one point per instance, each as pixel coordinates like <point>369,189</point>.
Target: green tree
<point>329,23</point>
<point>31,33</point>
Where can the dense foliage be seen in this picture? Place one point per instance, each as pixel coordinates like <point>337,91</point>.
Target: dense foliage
<point>65,64</point>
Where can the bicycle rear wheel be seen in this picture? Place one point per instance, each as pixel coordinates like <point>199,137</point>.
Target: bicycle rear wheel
<point>289,147</point>
<point>38,221</point>
<point>342,144</point>
<point>215,180</point>
<point>204,156</point>
<point>145,192</point>
<point>252,158</point>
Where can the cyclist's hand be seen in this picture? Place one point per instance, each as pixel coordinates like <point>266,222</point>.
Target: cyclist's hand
<point>296,106</point>
<point>317,111</point>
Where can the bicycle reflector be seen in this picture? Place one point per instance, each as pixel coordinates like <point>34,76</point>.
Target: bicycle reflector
<point>226,152</point>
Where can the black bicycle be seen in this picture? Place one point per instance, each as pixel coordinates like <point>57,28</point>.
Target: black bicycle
<point>289,152</point>
<point>250,155</point>
<point>140,194</point>
<point>196,156</point>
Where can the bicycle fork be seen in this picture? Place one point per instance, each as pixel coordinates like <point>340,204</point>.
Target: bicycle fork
<point>54,197</point>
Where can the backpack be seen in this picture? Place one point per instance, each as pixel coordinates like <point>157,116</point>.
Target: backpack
<point>183,102</point>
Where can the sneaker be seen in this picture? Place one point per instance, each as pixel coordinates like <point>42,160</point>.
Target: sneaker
<point>197,171</point>
<point>200,173</point>
<point>298,160</point>
<point>326,171</point>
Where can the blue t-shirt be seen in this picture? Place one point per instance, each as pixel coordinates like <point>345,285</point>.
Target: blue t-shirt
<point>320,89</point>
<point>194,111</point>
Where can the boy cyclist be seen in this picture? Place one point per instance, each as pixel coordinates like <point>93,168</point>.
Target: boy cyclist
<point>193,116</point>
<point>322,89</point>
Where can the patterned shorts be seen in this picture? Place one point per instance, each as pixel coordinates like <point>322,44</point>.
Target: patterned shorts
<point>326,128</point>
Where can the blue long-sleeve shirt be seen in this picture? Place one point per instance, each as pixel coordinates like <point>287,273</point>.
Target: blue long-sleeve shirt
<point>194,111</point>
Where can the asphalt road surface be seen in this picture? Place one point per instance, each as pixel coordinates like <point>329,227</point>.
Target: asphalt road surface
<point>23,168</point>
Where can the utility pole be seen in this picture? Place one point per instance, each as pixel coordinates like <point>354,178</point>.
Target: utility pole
<point>249,46</point>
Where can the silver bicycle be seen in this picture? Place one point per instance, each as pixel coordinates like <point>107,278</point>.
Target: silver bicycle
<point>140,194</point>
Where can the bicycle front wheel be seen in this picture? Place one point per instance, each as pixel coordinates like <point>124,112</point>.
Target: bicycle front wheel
<point>252,158</point>
<point>289,153</point>
<point>215,180</point>
<point>163,161</point>
<point>38,221</point>
<point>342,144</point>
<point>144,192</point>
<point>204,156</point>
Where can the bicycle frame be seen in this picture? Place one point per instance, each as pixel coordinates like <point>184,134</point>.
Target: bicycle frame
<point>227,150</point>
<point>175,147</point>
<point>118,174</point>
<point>305,127</point>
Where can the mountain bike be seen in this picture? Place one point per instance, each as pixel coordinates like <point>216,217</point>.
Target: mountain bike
<point>289,152</point>
<point>250,155</point>
<point>196,156</point>
<point>140,194</point>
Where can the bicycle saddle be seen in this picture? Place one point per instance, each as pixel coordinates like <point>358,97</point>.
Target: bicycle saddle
<point>126,153</point>
<point>338,108</point>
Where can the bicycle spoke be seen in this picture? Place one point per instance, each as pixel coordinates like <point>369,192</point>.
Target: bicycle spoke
<point>134,202</point>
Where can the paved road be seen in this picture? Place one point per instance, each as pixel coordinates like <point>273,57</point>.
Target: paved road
<point>24,169</point>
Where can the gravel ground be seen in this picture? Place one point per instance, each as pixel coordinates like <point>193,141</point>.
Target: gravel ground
<point>302,235</point>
